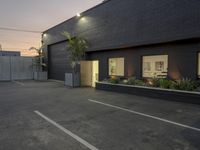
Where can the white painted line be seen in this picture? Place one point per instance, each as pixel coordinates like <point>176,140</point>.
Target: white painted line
<point>58,81</point>
<point>146,115</point>
<point>82,141</point>
<point>17,82</point>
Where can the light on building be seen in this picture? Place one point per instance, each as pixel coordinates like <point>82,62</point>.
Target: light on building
<point>78,14</point>
<point>83,19</point>
<point>44,34</point>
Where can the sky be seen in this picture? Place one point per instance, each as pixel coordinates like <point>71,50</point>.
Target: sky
<point>35,15</point>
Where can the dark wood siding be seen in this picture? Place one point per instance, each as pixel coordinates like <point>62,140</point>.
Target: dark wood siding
<point>182,59</point>
<point>58,61</point>
<point>128,23</point>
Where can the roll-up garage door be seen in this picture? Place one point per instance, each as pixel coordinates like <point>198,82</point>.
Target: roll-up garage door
<point>58,61</point>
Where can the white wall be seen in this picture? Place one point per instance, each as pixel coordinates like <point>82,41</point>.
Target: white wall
<point>16,68</point>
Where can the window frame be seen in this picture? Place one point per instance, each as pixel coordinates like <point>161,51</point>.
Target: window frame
<point>108,61</point>
<point>149,55</point>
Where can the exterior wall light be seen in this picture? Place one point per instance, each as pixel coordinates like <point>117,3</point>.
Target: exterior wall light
<point>78,14</point>
<point>44,35</point>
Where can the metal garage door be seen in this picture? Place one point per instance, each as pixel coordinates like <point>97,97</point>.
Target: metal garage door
<point>58,61</point>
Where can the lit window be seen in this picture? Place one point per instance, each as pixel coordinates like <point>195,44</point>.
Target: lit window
<point>116,66</point>
<point>155,66</point>
<point>199,65</point>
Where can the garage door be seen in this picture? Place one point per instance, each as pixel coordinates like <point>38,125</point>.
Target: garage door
<point>58,61</point>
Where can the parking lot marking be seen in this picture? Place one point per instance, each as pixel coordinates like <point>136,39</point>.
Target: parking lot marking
<point>82,141</point>
<point>146,115</point>
<point>17,82</point>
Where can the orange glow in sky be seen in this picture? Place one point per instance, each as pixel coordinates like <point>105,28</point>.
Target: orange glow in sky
<point>34,15</point>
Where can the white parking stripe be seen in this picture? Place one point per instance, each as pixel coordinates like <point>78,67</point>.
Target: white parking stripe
<point>82,141</point>
<point>146,115</point>
<point>17,82</point>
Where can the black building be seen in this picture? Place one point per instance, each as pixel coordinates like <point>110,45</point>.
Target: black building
<point>155,38</point>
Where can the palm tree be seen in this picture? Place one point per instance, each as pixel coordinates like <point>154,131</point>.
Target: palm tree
<point>76,47</point>
<point>38,58</point>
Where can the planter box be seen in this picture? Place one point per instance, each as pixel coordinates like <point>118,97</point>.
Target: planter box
<point>72,79</point>
<point>41,76</point>
<point>158,93</point>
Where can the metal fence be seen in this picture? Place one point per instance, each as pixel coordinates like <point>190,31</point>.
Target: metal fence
<point>16,68</point>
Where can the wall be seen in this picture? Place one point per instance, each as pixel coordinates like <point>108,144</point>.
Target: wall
<point>125,23</point>
<point>10,53</point>
<point>16,68</point>
<point>130,23</point>
<point>182,59</point>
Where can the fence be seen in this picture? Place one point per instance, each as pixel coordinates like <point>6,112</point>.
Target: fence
<point>16,68</point>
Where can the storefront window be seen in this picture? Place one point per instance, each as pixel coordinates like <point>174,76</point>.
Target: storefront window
<point>116,66</point>
<point>155,66</point>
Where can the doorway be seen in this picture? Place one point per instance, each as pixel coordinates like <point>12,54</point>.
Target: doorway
<point>89,73</point>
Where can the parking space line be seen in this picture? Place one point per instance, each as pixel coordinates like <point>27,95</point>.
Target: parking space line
<point>80,140</point>
<point>146,115</point>
<point>17,82</point>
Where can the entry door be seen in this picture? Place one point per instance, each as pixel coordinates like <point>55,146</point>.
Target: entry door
<point>86,73</point>
<point>95,72</point>
<point>89,73</point>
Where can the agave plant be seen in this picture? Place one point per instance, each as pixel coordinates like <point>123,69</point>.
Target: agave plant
<point>76,47</point>
<point>38,62</point>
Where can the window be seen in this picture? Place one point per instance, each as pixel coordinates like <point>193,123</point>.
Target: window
<point>116,66</point>
<point>155,66</point>
<point>199,65</point>
<point>159,66</point>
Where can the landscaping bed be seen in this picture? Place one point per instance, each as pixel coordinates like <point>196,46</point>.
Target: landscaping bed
<point>192,96</point>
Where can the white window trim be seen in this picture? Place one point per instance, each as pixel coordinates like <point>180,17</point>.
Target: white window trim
<point>152,72</point>
<point>120,75</point>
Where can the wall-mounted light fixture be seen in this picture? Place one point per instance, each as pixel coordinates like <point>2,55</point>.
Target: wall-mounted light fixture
<point>78,14</point>
<point>44,34</point>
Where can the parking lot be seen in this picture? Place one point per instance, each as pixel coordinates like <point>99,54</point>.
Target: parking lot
<point>49,116</point>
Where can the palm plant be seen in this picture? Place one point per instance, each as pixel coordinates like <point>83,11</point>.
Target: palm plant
<point>38,62</point>
<point>76,47</point>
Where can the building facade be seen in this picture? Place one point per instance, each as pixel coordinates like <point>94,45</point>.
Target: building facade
<point>126,38</point>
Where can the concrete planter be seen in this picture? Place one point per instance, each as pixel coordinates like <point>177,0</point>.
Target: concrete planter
<point>72,79</point>
<point>158,93</point>
<point>41,76</point>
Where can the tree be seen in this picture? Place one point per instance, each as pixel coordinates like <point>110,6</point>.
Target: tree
<point>76,47</point>
<point>38,58</point>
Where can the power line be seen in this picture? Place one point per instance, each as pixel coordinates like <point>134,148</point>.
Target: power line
<point>25,42</point>
<point>19,30</point>
<point>15,48</point>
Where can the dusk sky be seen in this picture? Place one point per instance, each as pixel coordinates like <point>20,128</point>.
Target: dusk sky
<point>36,15</point>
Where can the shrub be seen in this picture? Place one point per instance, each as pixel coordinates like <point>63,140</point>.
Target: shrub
<point>152,82</point>
<point>134,81</point>
<point>165,83</point>
<point>140,83</point>
<point>131,80</point>
<point>161,83</point>
<point>114,80</point>
<point>185,84</point>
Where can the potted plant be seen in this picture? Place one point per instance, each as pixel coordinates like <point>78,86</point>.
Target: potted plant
<point>38,64</point>
<point>76,47</point>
